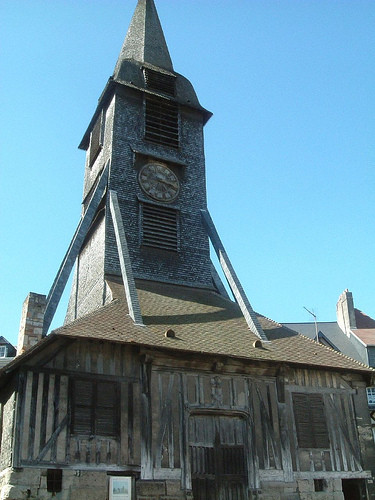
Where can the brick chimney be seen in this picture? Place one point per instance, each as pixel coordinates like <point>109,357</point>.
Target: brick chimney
<point>345,312</point>
<point>31,326</point>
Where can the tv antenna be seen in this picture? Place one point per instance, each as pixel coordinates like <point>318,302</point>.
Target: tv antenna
<point>316,324</point>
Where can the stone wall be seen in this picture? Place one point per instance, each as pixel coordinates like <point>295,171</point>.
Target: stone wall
<point>94,485</point>
<point>8,409</point>
<point>31,484</point>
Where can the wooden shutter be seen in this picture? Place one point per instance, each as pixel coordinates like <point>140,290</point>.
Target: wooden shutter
<point>319,423</point>
<point>106,409</point>
<point>83,407</point>
<point>311,425</point>
<point>95,140</point>
<point>95,408</point>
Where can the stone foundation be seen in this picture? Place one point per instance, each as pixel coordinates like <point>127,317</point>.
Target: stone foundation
<point>31,484</point>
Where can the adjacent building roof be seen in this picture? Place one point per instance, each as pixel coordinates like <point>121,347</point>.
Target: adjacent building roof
<point>332,331</point>
<point>362,320</point>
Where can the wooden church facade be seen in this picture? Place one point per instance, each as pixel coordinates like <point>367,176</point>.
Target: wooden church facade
<point>159,386</point>
<point>181,425</point>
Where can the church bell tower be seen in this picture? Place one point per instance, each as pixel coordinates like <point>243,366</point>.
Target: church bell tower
<point>144,143</point>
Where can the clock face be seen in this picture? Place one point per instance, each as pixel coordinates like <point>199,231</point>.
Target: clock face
<point>159,182</point>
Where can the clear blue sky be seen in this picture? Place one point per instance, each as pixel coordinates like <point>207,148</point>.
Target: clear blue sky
<point>290,149</point>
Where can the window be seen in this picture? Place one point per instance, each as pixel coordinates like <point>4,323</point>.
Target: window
<point>54,480</point>
<point>310,420</point>
<point>95,408</point>
<point>371,356</point>
<point>161,121</point>
<point>320,485</point>
<point>159,227</point>
<point>3,351</point>
<point>160,81</point>
<point>96,140</point>
<point>371,397</point>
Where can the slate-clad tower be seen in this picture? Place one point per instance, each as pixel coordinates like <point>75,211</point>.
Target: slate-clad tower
<point>147,136</point>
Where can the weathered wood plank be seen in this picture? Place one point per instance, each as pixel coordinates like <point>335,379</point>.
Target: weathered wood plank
<point>32,420</point>
<point>269,438</point>
<point>146,420</point>
<point>184,426</point>
<point>61,443</point>
<point>26,422</point>
<point>341,427</point>
<point>38,414</point>
<point>56,405</point>
<point>131,410</point>
<point>319,390</point>
<point>285,439</point>
<point>165,423</point>
<point>20,413</point>
<point>52,440</point>
<point>44,412</point>
<point>50,410</point>
<point>253,460</point>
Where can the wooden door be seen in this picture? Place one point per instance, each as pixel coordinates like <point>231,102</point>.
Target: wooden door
<point>218,457</point>
<point>354,489</point>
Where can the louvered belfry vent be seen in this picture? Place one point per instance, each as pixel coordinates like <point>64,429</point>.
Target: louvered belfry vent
<point>95,141</point>
<point>160,81</point>
<point>160,228</point>
<point>161,121</point>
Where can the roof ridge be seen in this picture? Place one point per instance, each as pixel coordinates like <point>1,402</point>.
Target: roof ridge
<point>270,319</point>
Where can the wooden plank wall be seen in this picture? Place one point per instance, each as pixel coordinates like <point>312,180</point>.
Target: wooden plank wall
<point>177,396</point>
<point>269,421</point>
<point>44,436</point>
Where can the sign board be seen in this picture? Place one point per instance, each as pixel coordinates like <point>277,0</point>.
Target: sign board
<point>120,488</point>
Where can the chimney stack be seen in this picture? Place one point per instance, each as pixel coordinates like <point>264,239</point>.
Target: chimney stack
<point>31,326</point>
<point>345,312</point>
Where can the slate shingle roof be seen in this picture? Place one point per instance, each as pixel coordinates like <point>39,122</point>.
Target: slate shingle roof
<point>203,322</point>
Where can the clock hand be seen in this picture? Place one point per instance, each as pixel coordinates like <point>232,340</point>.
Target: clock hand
<point>167,183</point>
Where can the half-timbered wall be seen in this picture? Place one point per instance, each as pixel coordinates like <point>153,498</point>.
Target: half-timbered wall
<point>176,419</point>
<point>265,406</point>
<point>46,434</point>
<point>342,452</point>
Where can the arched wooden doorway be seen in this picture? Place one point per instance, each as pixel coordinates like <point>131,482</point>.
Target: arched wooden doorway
<point>218,457</point>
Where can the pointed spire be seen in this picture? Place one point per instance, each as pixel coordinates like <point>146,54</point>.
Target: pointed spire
<point>145,40</point>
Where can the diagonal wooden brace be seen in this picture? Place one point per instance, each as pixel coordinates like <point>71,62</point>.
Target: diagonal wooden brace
<point>233,281</point>
<point>125,263</point>
<point>63,273</point>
